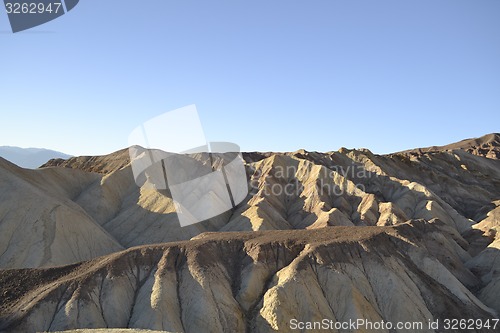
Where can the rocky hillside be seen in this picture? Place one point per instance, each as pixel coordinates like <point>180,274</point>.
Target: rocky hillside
<point>99,164</point>
<point>40,224</point>
<point>410,236</point>
<point>253,282</point>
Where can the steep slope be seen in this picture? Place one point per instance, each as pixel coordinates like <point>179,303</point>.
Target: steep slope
<point>468,183</point>
<point>486,264</point>
<point>40,226</point>
<point>253,282</point>
<point>138,215</point>
<point>302,189</point>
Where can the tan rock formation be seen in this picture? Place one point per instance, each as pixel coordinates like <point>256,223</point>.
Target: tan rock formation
<point>254,281</point>
<point>320,235</point>
<point>40,226</point>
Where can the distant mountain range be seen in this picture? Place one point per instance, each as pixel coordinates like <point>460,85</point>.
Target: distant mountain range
<point>30,158</point>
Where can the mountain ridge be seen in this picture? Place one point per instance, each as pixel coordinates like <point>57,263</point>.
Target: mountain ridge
<point>119,159</point>
<point>487,146</point>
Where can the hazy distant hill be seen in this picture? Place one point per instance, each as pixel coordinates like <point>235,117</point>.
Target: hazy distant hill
<point>29,157</point>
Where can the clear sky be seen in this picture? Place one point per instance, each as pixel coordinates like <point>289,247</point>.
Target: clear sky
<point>269,75</point>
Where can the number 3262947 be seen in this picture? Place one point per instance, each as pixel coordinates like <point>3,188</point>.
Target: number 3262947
<point>32,8</point>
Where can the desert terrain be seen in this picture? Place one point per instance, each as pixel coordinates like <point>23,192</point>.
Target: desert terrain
<point>411,236</point>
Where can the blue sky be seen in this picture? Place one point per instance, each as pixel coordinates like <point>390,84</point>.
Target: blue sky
<point>274,75</point>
